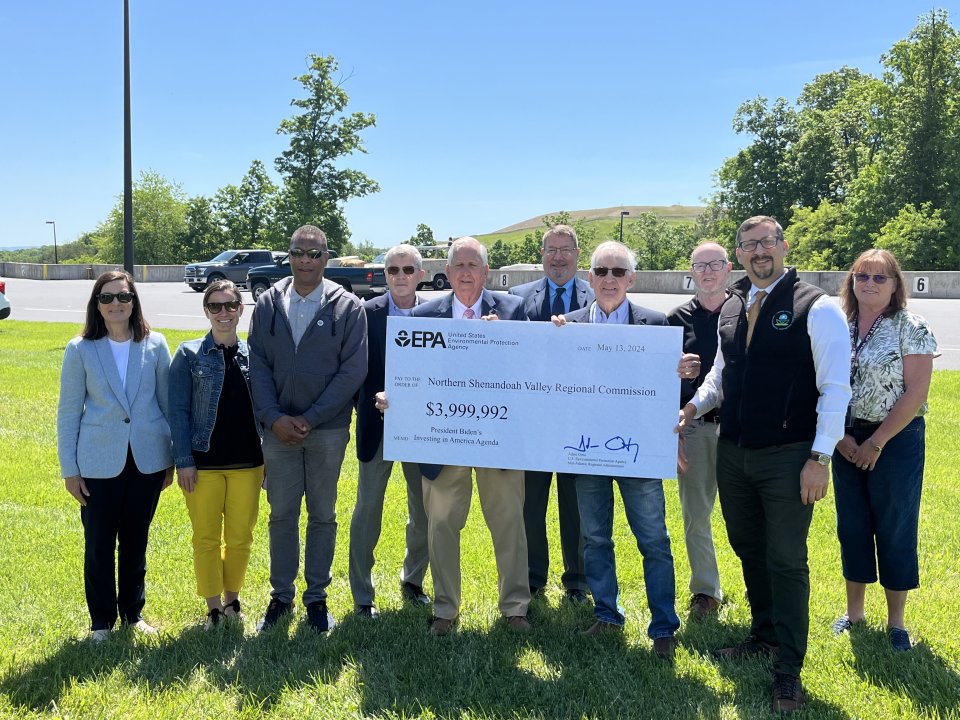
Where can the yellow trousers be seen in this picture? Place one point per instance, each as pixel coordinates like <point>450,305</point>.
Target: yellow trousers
<point>223,510</point>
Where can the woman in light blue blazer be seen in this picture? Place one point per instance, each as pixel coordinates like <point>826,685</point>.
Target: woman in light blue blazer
<point>113,441</point>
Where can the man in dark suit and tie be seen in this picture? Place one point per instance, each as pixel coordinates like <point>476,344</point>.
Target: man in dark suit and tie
<point>558,292</point>
<point>447,489</point>
<point>612,273</point>
<point>404,270</point>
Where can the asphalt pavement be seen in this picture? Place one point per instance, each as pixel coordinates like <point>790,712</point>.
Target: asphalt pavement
<point>176,306</point>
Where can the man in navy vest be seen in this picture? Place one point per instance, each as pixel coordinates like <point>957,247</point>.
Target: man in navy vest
<point>783,367</point>
<point>558,292</point>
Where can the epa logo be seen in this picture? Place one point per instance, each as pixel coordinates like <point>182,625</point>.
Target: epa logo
<point>420,339</point>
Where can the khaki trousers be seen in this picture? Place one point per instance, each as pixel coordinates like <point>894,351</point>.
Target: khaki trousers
<point>447,502</point>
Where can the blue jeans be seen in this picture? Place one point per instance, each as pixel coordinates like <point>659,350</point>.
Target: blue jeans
<point>878,511</point>
<point>644,506</point>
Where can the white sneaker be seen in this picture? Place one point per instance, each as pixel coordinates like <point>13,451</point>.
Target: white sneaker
<point>142,626</point>
<point>98,636</point>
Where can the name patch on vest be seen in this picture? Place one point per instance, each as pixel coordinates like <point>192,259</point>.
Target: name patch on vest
<point>782,320</point>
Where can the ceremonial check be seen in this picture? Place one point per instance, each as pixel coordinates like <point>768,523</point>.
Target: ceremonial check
<point>582,398</point>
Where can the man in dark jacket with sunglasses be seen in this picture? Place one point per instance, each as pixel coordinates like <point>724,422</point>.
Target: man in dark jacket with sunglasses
<point>308,357</point>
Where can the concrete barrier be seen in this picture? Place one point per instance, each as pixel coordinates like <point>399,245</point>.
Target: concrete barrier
<point>934,285</point>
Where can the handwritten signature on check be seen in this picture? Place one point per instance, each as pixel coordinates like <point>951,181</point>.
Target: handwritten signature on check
<point>617,442</point>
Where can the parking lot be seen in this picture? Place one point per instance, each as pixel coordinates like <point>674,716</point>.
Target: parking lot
<point>174,305</point>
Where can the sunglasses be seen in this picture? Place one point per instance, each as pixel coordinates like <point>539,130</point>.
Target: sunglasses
<point>312,254</point>
<point>407,270</point>
<point>616,272</point>
<point>864,277</point>
<point>106,298</point>
<point>216,307</point>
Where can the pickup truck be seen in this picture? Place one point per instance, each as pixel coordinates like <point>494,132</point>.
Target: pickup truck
<point>228,265</point>
<point>364,282</point>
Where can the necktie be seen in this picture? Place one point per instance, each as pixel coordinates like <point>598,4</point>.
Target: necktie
<point>753,312</point>
<point>469,314</point>
<point>557,308</point>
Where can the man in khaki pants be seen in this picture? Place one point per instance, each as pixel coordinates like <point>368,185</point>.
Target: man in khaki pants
<point>447,489</point>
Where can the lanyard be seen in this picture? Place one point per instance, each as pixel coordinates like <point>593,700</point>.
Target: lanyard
<point>856,347</point>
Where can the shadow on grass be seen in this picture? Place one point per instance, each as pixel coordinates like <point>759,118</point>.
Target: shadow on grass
<point>918,674</point>
<point>390,666</point>
<point>752,678</point>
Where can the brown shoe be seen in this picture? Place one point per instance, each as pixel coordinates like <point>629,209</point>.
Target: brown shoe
<point>519,623</point>
<point>441,626</point>
<point>665,648</point>
<point>601,627</point>
<point>703,605</point>
<point>751,647</point>
<point>787,693</point>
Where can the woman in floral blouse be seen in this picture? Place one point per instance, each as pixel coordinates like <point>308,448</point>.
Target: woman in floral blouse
<point>878,465</point>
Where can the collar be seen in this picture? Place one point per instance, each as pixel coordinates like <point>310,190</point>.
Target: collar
<point>459,308</point>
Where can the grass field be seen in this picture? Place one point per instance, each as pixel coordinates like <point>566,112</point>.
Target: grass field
<point>391,668</point>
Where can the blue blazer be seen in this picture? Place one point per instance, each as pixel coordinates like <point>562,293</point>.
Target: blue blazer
<point>506,307</point>
<point>97,419</point>
<point>537,301</point>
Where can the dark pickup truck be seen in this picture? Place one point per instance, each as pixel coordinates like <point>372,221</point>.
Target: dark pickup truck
<point>364,282</point>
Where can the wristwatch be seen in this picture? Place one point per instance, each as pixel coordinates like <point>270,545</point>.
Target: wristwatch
<point>820,458</point>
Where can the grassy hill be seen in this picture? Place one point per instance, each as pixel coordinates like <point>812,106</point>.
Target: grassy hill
<point>606,220</point>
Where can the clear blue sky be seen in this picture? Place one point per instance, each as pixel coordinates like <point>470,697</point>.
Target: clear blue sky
<point>487,113</point>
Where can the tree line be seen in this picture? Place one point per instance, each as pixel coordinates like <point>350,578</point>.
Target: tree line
<point>858,161</point>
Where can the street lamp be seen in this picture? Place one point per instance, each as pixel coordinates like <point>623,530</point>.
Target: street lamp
<point>56,260</point>
<point>622,213</point>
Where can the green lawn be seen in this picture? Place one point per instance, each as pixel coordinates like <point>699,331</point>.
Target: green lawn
<point>391,668</point>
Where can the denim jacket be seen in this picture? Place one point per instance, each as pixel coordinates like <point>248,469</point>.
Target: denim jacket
<point>196,380</point>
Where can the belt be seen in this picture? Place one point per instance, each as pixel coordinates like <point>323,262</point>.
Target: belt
<point>711,417</point>
<point>863,424</point>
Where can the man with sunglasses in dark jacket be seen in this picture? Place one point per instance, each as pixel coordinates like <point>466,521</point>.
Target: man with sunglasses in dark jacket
<point>308,357</point>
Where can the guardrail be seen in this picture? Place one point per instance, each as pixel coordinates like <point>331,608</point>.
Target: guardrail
<point>935,285</point>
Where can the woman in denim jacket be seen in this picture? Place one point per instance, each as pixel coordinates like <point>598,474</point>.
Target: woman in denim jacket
<point>216,447</point>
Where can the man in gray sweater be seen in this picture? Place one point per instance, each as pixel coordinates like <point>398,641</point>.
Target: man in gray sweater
<point>308,357</point>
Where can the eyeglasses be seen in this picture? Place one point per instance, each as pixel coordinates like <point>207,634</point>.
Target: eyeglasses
<point>106,298</point>
<point>407,270</point>
<point>864,277</point>
<point>312,254</point>
<point>715,265</point>
<point>602,272</point>
<point>216,307</point>
<point>566,251</point>
<point>750,245</point>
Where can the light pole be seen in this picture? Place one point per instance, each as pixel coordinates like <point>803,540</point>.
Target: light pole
<point>56,260</point>
<point>622,213</point>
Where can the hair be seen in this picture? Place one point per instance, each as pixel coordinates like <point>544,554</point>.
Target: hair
<point>95,327</point>
<point>751,223</point>
<point>886,260</point>
<point>711,243</point>
<point>618,247</point>
<point>466,241</point>
<point>404,249</point>
<point>560,230</point>
<point>308,232</point>
<point>221,286</point>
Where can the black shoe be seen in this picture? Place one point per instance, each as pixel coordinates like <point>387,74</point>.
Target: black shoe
<point>576,597</point>
<point>319,618</point>
<point>788,694</point>
<point>367,611</point>
<point>751,647</point>
<point>275,610</point>
<point>414,594</point>
<point>537,592</point>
